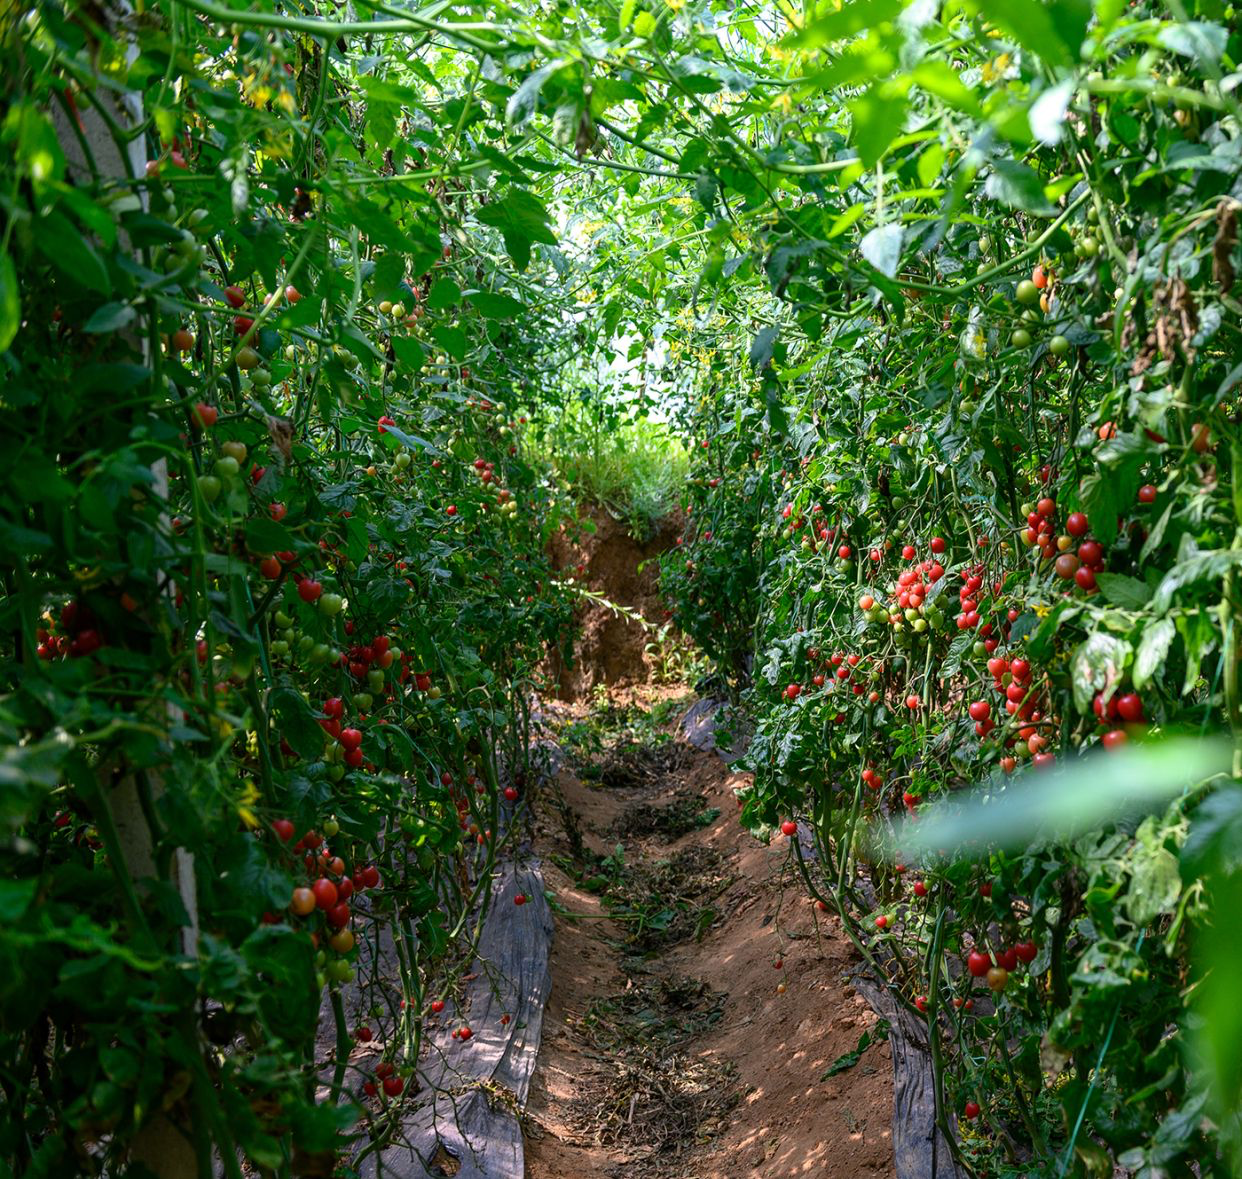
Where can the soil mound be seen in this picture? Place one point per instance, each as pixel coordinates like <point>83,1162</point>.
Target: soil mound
<point>610,648</point>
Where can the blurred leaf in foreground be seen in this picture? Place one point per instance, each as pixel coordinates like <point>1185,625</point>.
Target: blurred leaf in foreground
<point>1046,805</point>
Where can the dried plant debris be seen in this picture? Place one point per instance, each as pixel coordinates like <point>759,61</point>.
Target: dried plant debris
<point>669,900</point>
<point>648,1095</point>
<point>631,764</point>
<point>671,820</point>
<point>653,1012</point>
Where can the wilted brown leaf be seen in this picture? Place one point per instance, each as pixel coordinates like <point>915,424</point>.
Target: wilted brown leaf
<point>281,433</point>
<point>1223,244</point>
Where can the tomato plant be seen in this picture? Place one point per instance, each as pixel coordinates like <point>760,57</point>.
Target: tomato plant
<point>942,297</point>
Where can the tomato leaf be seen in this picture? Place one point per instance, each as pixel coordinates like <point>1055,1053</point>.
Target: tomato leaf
<point>1097,666</point>
<point>10,302</point>
<point>882,248</point>
<point>1152,649</point>
<point>1019,187</point>
<point>496,305</point>
<point>877,117</point>
<point>296,723</point>
<point>1121,590</point>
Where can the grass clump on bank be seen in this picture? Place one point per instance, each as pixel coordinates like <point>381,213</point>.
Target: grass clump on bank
<point>632,466</point>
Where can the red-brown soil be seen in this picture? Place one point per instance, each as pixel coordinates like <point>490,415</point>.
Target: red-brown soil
<point>609,647</point>
<point>768,1114</point>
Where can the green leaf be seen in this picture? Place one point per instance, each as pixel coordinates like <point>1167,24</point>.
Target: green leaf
<point>846,1061</point>
<point>59,241</point>
<point>877,117</point>
<point>1195,568</point>
<point>937,78</point>
<point>409,352</point>
<point>264,535</point>
<point>1152,649</point>
<point>452,340</point>
<point>10,302</point>
<point>882,248</point>
<point>1099,500</point>
<point>832,22</point>
<point>1017,186</point>
<point>931,160</point>
<point>1155,882</point>
<point>1040,645</point>
<point>1214,843</point>
<point>1097,667</point>
<point>1219,965</point>
<point>297,724</point>
<point>1061,803</point>
<point>444,293</point>
<point>1053,30</point>
<point>111,317</point>
<point>1197,39</point>
<point>1120,590</point>
<point>761,347</point>
<point>496,305</point>
<point>522,219</point>
<point>525,98</point>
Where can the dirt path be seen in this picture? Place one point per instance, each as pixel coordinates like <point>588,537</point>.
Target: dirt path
<point>667,1048</point>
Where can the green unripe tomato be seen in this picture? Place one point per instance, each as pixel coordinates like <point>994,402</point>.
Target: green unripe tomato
<point>261,378</point>
<point>288,634</point>
<point>282,620</point>
<point>306,644</point>
<point>1021,338</point>
<point>331,603</point>
<point>331,828</point>
<point>363,701</point>
<point>336,773</point>
<point>280,648</point>
<point>1058,345</point>
<point>919,625</point>
<point>1089,247</point>
<point>226,467</point>
<point>434,693</point>
<point>1027,292</point>
<point>320,652</point>
<point>209,487</point>
<point>979,649</point>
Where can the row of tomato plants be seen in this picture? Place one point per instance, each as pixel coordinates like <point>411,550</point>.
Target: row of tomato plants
<point>275,588</point>
<point>956,559</point>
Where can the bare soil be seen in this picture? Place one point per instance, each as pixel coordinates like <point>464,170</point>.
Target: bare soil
<point>668,1050</point>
